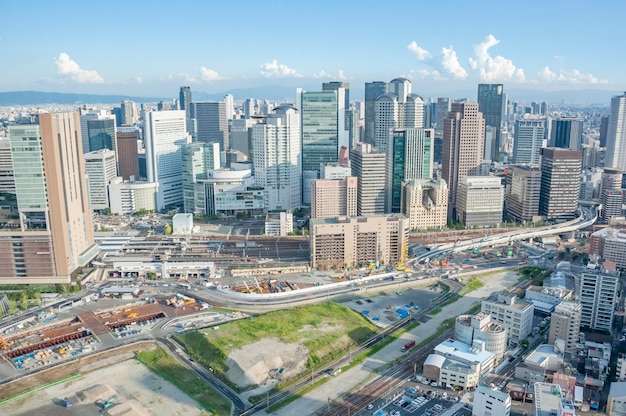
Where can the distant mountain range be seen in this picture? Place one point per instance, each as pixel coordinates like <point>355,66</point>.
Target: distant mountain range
<point>282,93</point>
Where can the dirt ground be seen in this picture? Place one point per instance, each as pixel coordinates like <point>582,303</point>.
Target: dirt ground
<point>254,363</point>
<point>137,390</point>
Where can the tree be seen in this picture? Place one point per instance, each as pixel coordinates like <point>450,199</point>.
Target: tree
<point>24,301</point>
<point>168,229</point>
<point>12,306</point>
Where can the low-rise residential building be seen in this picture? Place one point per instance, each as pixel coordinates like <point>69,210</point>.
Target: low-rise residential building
<point>512,313</point>
<point>549,401</point>
<point>491,402</point>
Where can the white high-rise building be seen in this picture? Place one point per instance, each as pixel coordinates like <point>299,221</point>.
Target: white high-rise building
<point>397,109</point>
<point>529,139</point>
<point>230,106</point>
<point>100,168</point>
<point>616,136</point>
<point>513,314</point>
<point>277,154</point>
<point>165,133</point>
<point>597,292</point>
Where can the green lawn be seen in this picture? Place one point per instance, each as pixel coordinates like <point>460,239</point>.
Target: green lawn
<point>327,330</point>
<point>471,285</point>
<point>168,368</point>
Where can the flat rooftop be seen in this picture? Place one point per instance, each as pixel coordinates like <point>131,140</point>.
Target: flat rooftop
<point>549,400</point>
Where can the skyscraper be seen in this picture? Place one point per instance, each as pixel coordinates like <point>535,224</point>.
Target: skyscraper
<point>101,134</point>
<point>560,182</point>
<point>442,108</point>
<point>567,133</point>
<point>373,90</point>
<point>565,325</point>
<point>369,168</point>
<point>597,293</point>
<point>463,140</point>
<point>529,134</point>
<point>184,100</point>
<point>616,136</point>
<point>522,193</point>
<point>397,109</point>
<point>100,168</point>
<point>129,113</point>
<point>165,133</point>
<point>323,133</point>
<point>211,122</point>
<point>343,107</point>
<point>409,156</point>
<point>54,233</point>
<point>127,156</point>
<point>197,160</point>
<point>604,130</point>
<point>87,115</point>
<point>278,158</point>
<point>491,103</point>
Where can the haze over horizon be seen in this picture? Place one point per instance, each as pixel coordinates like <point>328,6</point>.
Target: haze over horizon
<point>218,47</point>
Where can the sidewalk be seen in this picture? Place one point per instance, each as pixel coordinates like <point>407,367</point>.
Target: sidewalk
<point>356,375</point>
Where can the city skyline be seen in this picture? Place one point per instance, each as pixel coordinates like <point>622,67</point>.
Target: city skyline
<point>214,47</point>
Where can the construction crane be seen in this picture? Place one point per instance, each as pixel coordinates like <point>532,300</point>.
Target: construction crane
<point>403,258</point>
<point>3,344</point>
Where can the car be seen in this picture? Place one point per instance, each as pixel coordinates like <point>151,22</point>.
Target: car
<point>370,406</point>
<point>433,383</point>
<point>67,402</point>
<point>394,413</point>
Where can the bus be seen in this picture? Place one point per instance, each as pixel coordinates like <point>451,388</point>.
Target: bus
<point>185,286</point>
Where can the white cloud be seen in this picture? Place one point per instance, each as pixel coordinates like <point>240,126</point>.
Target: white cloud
<point>69,68</point>
<point>574,77</point>
<point>209,75</point>
<point>492,69</point>
<point>275,70</point>
<point>426,74</point>
<point>326,75</point>
<point>451,64</point>
<point>139,80</point>
<point>422,54</point>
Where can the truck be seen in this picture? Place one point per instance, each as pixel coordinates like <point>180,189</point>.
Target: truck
<point>408,346</point>
<point>578,396</point>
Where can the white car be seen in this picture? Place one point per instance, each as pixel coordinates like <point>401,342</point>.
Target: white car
<point>370,406</point>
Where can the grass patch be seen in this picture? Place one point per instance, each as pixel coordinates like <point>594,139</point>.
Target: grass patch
<point>534,274</point>
<point>169,369</point>
<point>471,285</point>
<point>328,330</point>
<point>296,395</point>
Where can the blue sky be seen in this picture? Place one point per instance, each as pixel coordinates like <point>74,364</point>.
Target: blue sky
<point>151,48</point>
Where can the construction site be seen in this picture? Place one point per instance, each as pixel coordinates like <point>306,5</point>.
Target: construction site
<point>49,338</point>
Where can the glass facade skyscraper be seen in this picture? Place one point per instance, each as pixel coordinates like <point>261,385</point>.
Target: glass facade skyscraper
<point>491,104</point>
<point>101,134</point>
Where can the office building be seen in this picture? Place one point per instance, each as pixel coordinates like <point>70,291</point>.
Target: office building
<point>129,112</point>
<point>347,242</point>
<point>442,108</point>
<point>529,139</point>
<point>229,100</point>
<point>184,101</point>
<point>604,130</point>
<point>373,90</point>
<point>397,109</point>
<point>128,198</point>
<point>197,159</point>
<point>211,122</point>
<point>463,139</point>
<point>100,170</point>
<point>491,103</point>
<point>597,292</point>
<point>409,156</point>
<point>425,203</point>
<point>277,155</point>
<point>567,133</point>
<point>480,201</point>
<point>490,143</point>
<point>560,182</point>
<point>334,197</point>
<point>53,233</point>
<point>522,193</point>
<point>565,325</point>
<point>101,133</point>
<point>609,244</point>
<point>612,201</point>
<point>165,133</point>
<point>128,153</point>
<point>228,192</point>
<point>512,313</point>
<point>550,400</point>
<point>368,166</point>
<point>240,135</point>
<point>343,88</point>
<point>278,224</point>
<point>616,135</point>
<point>334,171</point>
<point>491,402</point>
<point>7,179</point>
<point>479,326</point>
<point>323,133</point>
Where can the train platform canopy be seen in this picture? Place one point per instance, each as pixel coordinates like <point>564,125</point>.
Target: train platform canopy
<point>116,290</point>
